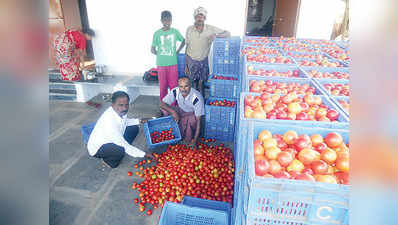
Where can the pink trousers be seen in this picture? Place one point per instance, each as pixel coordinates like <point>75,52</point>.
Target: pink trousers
<point>168,78</point>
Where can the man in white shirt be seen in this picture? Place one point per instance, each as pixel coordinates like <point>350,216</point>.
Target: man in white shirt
<point>114,132</point>
<point>189,109</point>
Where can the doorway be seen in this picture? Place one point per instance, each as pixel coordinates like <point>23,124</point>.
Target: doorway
<point>86,25</point>
<point>272,17</point>
<point>259,19</point>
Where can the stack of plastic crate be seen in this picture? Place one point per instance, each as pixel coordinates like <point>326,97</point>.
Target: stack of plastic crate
<point>224,85</point>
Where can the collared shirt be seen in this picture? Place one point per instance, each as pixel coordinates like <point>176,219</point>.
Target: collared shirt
<point>199,43</point>
<point>110,128</point>
<point>192,103</point>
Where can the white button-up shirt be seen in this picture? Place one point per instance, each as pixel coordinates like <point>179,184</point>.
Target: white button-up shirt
<point>110,128</point>
<point>192,103</point>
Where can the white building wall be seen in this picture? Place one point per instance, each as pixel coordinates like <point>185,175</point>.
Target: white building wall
<point>124,28</point>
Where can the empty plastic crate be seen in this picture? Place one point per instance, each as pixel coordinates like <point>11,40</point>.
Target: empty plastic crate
<point>163,123</point>
<point>86,131</point>
<point>208,204</point>
<point>179,214</point>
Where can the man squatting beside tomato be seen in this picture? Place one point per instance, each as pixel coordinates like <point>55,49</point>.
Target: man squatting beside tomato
<point>189,109</point>
<point>114,132</point>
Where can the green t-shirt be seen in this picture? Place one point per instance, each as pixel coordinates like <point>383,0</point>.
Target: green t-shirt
<point>165,43</point>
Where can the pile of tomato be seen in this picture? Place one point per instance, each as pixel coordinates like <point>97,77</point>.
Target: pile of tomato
<point>160,136</point>
<point>205,172</point>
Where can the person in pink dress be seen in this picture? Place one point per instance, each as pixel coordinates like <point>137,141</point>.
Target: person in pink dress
<point>70,47</point>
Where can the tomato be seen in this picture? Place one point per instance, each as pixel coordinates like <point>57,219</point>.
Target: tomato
<point>343,164</point>
<point>316,139</point>
<point>329,156</point>
<point>264,135</point>
<point>304,176</point>
<point>258,149</point>
<point>319,167</point>
<point>307,156</point>
<point>275,167</point>
<point>272,152</point>
<point>129,173</point>
<point>261,167</point>
<point>285,158</point>
<point>290,137</point>
<point>326,178</point>
<point>282,175</point>
<point>333,140</point>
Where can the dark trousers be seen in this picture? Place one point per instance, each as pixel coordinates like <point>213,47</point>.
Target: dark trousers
<point>113,154</point>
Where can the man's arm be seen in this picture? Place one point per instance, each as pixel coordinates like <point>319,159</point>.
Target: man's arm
<point>153,50</point>
<point>170,110</point>
<point>223,34</point>
<point>181,46</point>
<point>197,131</point>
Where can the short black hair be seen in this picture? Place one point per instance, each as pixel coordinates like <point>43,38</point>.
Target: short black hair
<point>186,77</point>
<point>89,32</point>
<point>119,94</point>
<point>165,15</point>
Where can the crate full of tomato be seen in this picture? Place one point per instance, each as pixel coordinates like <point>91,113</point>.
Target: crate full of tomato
<point>161,131</point>
<point>296,174</point>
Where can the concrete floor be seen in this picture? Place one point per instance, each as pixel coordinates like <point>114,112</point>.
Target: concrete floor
<point>82,190</point>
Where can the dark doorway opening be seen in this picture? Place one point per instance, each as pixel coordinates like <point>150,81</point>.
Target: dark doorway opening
<point>85,25</point>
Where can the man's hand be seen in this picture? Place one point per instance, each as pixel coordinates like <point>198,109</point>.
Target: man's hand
<point>175,117</point>
<point>150,156</point>
<point>213,36</point>
<point>142,121</point>
<point>193,143</point>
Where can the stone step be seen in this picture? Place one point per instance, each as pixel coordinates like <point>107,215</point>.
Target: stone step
<point>61,86</point>
<point>63,91</point>
<point>62,97</point>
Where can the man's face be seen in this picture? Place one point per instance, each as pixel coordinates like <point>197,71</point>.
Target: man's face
<point>166,23</point>
<point>184,86</point>
<point>200,19</point>
<point>121,106</point>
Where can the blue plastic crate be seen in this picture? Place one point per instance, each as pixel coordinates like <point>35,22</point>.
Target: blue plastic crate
<point>220,121</point>
<point>293,62</point>
<point>298,62</point>
<point>86,131</point>
<point>301,81</point>
<point>224,88</point>
<point>178,214</point>
<point>181,65</point>
<point>307,69</point>
<point>292,200</point>
<point>208,204</point>
<point>342,121</point>
<point>159,124</point>
<point>226,64</point>
<point>321,82</point>
<point>336,101</point>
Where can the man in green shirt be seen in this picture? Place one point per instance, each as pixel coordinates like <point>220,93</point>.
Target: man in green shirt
<point>164,46</point>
